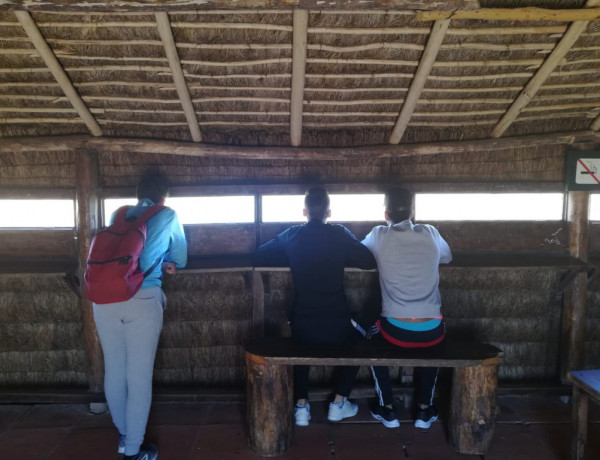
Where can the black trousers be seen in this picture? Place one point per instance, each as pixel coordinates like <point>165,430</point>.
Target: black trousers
<point>424,378</point>
<point>322,332</point>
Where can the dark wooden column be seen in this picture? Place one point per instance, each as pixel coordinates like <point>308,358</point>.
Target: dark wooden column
<point>87,225</point>
<point>270,406</point>
<point>473,408</point>
<point>573,314</point>
<point>258,305</point>
<point>580,412</point>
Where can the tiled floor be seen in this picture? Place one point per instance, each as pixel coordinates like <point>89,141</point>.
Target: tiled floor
<point>527,429</point>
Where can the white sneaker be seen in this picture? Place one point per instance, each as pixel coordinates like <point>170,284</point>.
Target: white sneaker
<point>302,414</point>
<point>340,411</point>
<point>121,444</point>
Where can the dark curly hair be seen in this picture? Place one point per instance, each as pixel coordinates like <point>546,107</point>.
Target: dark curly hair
<point>153,185</point>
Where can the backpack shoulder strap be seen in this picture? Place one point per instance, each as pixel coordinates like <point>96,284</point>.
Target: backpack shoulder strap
<point>148,213</point>
<point>121,215</point>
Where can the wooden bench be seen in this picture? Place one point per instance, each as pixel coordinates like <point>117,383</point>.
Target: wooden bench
<point>270,386</point>
<point>585,384</point>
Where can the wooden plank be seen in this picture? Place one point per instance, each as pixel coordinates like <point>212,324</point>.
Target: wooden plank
<point>298,74</point>
<point>46,53</point>
<point>434,42</point>
<point>88,222</point>
<point>37,243</point>
<point>27,144</point>
<point>513,14</point>
<point>187,5</point>
<point>48,266</point>
<point>166,35</point>
<point>449,354</point>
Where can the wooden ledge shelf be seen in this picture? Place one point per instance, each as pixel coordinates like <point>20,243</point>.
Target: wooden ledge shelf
<point>219,263</point>
<point>243,262</point>
<point>516,260</point>
<point>41,266</point>
<point>498,260</point>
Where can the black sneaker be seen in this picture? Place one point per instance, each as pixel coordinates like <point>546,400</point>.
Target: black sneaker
<point>385,415</point>
<point>147,452</point>
<point>425,417</point>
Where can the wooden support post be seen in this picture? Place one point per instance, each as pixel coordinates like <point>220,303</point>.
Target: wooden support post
<point>573,313</point>
<point>87,225</point>
<point>269,406</point>
<point>580,410</point>
<point>473,408</point>
<point>258,305</point>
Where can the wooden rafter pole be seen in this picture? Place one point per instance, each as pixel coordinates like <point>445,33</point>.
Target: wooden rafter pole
<point>166,35</point>
<point>298,75</point>
<point>596,124</point>
<point>46,53</point>
<point>434,43</point>
<point>550,63</point>
<point>513,14</point>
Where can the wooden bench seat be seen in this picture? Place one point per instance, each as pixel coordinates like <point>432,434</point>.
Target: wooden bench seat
<point>270,386</point>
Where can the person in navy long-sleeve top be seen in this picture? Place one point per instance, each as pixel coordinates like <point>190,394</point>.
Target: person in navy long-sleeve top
<point>317,253</point>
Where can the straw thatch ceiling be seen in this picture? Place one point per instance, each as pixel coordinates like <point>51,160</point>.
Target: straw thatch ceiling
<point>261,73</point>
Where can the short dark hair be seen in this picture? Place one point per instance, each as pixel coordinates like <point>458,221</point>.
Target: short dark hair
<point>399,204</point>
<point>316,203</point>
<point>153,185</point>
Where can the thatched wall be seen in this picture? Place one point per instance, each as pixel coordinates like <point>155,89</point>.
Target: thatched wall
<point>207,319</point>
<point>532,165</point>
<point>41,335</point>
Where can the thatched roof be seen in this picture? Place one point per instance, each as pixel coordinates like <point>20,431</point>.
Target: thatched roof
<point>348,75</point>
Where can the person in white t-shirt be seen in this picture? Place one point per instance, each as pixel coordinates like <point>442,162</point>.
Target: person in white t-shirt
<point>408,256</point>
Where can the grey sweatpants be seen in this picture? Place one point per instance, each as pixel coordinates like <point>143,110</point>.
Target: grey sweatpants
<point>129,333</point>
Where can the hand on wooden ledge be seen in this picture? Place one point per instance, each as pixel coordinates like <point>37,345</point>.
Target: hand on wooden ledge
<point>169,268</point>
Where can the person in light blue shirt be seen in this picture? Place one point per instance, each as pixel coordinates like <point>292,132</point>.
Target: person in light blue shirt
<point>129,330</point>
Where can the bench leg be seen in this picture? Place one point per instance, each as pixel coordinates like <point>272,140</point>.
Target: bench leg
<point>473,408</point>
<point>269,406</point>
<point>580,410</point>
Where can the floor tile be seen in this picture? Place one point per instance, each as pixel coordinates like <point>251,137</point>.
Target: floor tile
<point>10,413</point>
<point>31,443</point>
<point>174,441</point>
<point>99,443</point>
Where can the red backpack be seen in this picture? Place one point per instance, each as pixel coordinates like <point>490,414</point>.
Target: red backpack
<point>113,273</point>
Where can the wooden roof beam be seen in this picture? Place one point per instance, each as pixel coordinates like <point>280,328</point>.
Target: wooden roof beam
<point>298,75</point>
<point>188,5</point>
<point>153,146</point>
<point>438,32</point>
<point>536,82</point>
<point>49,58</point>
<point>166,35</point>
